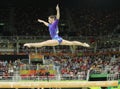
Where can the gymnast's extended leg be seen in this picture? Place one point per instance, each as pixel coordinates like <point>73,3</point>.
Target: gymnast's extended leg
<point>41,44</point>
<point>77,43</point>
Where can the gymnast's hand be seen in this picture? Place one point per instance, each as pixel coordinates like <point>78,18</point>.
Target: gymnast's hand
<point>41,21</point>
<point>57,7</point>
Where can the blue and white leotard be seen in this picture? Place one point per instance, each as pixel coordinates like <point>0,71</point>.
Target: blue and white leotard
<point>53,30</point>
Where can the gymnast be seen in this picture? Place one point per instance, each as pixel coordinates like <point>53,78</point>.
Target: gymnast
<point>55,40</point>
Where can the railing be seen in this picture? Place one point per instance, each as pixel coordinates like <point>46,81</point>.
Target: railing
<point>110,77</point>
<point>32,38</point>
<point>113,76</point>
<point>42,78</point>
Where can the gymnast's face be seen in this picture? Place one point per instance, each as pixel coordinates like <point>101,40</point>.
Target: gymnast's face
<point>51,20</point>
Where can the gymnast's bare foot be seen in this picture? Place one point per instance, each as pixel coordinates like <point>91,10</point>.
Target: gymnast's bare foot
<point>86,45</point>
<point>27,45</point>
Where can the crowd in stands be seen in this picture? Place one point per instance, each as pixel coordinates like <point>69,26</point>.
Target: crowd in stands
<point>8,67</point>
<point>68,65</point>
<point>90,23</point>
<point>78,66</point>
<point>96,22</point>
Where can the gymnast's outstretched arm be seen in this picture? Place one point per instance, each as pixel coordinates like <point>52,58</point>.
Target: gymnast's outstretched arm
<point>58,12</point>
<point>44,22</point>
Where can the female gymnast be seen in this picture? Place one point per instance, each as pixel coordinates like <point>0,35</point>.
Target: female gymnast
<point>54,33</point>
